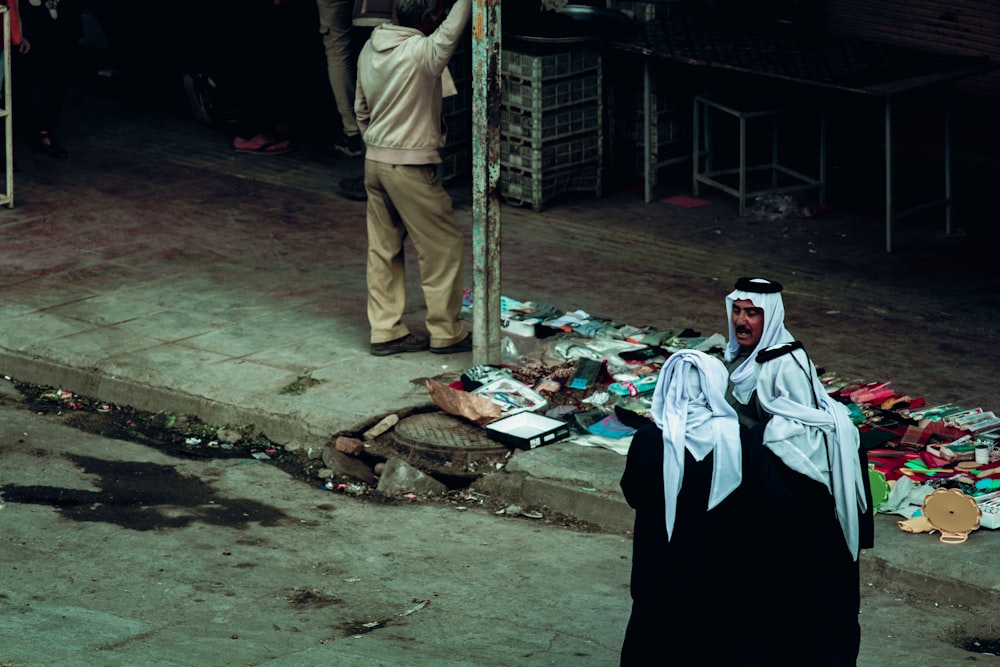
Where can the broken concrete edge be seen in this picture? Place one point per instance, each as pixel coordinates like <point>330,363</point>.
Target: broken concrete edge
<point>289,432</point>
<point>345,466</point>
<point>358,429</point>
<point>362,434</point>
<point>878,571</point>
<point>293,434</point>
<point>399,476</point>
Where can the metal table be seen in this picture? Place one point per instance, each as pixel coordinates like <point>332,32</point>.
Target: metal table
<point>792,54</point>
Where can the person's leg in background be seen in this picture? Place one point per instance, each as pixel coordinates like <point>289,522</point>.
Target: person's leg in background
<point>335,27</point>
<point>252,37</point>
<point>43,73</point>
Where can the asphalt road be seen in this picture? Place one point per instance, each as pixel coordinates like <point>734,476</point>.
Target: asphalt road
<point>118,554</point>
<point>115,553</point>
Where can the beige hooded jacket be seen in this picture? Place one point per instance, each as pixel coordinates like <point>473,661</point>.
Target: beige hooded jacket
<point>399,89</point>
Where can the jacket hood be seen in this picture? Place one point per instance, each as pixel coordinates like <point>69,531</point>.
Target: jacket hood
<point>389,35</point>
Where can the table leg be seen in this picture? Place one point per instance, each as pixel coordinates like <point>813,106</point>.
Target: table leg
<point>696,148</point>
<point>822,156</point>
<point>743,165</point>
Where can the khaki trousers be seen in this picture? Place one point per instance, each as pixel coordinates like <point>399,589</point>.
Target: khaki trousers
<point>405,200</point>
<point>335,26</point>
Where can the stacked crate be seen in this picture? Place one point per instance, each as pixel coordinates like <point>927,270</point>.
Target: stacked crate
<point>641,11</point>
<point>456,112</point>
<point>551,122</point>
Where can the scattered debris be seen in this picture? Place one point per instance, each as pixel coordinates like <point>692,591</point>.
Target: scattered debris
<point>775,207</point>
<point>399,475</point>
<point>383,426</point>
<point>187,436</point>
<point>351,446</point>
<point>300,385</point>
<point>343,467</point>
<point>421,605</point>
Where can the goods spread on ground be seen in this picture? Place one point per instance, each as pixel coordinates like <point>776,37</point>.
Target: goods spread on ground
<point>597,376</point>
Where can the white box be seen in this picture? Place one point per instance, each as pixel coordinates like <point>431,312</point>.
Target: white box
<point>527,430</point>
<point>990,506</point>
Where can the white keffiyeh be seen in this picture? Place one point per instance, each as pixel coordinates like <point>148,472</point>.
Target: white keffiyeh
<point>744,377</point>
<point>813,433</point>
<point>689,406</point>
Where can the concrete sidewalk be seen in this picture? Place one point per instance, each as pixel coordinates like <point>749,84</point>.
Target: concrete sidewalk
<point>156,268</point>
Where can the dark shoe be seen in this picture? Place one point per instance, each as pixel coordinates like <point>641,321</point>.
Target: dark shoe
<point>46,145</point>
<point>205,100</point>
<point>408,343</point>
<point>464,345</point>
<point>353,188</point>
<point>350,146</point>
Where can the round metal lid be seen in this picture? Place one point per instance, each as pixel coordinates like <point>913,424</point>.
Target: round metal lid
<point>441,431</point>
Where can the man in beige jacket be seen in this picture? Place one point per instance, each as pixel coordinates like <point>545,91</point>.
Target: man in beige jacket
<point>402,75</point>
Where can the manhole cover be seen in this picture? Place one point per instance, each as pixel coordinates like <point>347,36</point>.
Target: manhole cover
<point>443,432</point>
<point>441,444</point>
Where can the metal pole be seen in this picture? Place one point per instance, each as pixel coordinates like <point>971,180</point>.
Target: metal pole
<point>948,208</point>
<point>647,130</point>
<point>486,51</point>
<point>890,207</point>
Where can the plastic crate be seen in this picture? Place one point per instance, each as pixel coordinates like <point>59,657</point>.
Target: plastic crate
<point>542,67</point>
<point>536,98</point>
<point>558,124</point>
<point>458,104</point>
<point>575,151</point>
<point>660,101</point>
<point>674,157</point>
<point>626,95</point>
<point>520,187</point>
<point>662,133</point>
<point>459,129</point>
<point>627,149</point>
<point>460,67</point>
<point>639,12</point>
<point>455,163</point>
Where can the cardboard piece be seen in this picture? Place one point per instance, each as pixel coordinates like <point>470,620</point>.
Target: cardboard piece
<point>477,409</point>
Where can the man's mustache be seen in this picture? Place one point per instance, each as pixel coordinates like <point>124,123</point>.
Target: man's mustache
<point>742,330</point>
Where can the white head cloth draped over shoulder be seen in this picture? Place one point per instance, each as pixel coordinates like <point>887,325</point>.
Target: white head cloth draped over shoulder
<point>689,406</point>
<point>811,432</point>
<point>766,295</point>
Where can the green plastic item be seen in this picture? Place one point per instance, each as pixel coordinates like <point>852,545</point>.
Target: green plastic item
<point>879,486</point>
